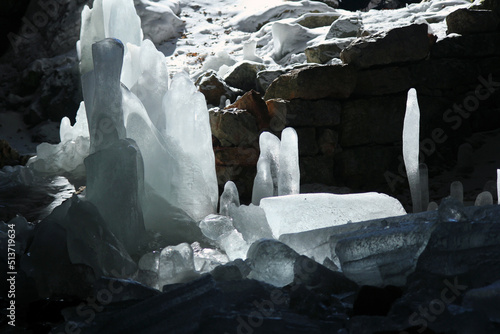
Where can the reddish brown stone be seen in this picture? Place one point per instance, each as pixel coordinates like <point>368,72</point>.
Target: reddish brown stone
<point>253,103</point>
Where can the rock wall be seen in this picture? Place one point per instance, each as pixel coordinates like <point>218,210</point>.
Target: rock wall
<point>349,116</point>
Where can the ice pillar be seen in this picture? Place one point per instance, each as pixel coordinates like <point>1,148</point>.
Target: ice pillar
<point>411,147</point>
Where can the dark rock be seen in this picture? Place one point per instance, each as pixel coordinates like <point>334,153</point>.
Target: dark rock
<point>328,141</point>
<point>399,45</point>
<point>383,81</point>
<point>467,21</point>
<point>317,169</point>
<point>168,309</point>
<point>375,301</point>
<point>307,141</point>
<point>9,156</point>
<point>255,105</point>
<point>266,77</point>
<point>55,83</point>
<point>382,256</point>
<point>227,272</point>
<point>120,289</point>
<point>317,277</point>
<point>234,127</point>
<point>452,76</point>
<point>466,46</point>
<point>304,113</point>
<point>313,83</point>
<point>485,299</point>
<point>213,87</point>
<point>459,248</point>
<point>243,75</point>
<point>487,4</point>
<point>365,166</point>
<point>372,121</point>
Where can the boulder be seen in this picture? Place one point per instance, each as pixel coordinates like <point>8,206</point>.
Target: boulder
<point>9,156</point>
<point>316,20</point>
<point>325,51</point>
<point>253,103</point>
<point>313,83</point>
<point>398,45</point>
<point>234,127</point>
<point>266,77</point>
<point>345,26</point>
<point>243,75</point>
<point>213,87</point>
<point>468,21</point>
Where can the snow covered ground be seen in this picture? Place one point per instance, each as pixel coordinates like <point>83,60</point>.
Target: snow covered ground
<point>227,25</point>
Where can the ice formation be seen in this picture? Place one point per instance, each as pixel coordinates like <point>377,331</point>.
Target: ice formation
<point>150,165</point>
<point>229,196</point>
<point>484,198</point>
<point>411,148</point>
<point>67,156</point>
<point>272,262</point>
<point>303,212</point>
<point>457,191</point>
<point>289,172</point>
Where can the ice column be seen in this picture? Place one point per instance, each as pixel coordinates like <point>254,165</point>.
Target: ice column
<point>484,198</point>
<point>263,182</point>
<point>411,131</point>
<point>228,197</point>
<point>289,173</point>
<point>193,182</point>
<point>102,91</point>
<point>115,169</point>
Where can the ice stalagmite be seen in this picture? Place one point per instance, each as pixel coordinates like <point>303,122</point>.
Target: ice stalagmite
<point>457,191</point>
<point>152,83</point>
<point>289,173</point>
<point>103,96</point>
<point>192,178</point>
<point>411,147</point>
<point>228,197</point>
<point>484,198</point>
<point>269,146</point>
<point>107,18</point>
<point>263,182</point>
<point>115,169</point>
